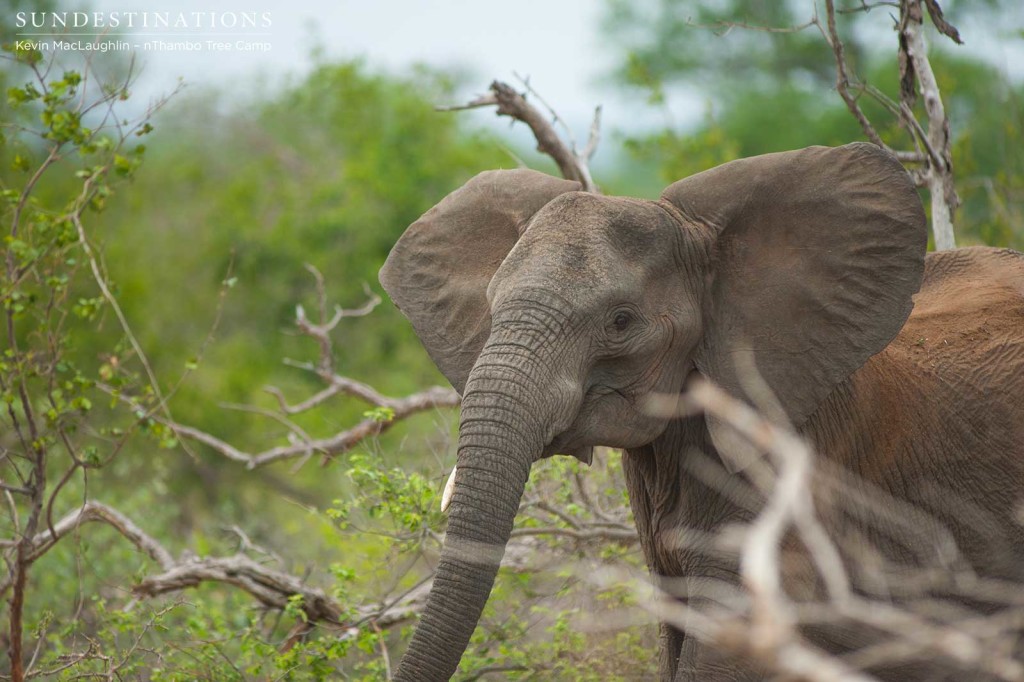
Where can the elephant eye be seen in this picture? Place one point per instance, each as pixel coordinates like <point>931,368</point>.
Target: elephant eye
<point>622,320</point>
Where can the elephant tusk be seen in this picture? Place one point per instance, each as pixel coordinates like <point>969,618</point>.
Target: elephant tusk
<point>449,488</point>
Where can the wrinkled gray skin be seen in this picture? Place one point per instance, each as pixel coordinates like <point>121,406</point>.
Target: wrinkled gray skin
<point>557,313</point>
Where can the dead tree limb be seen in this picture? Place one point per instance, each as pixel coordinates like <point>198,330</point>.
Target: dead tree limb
<point>389,410</point>
<point>931,163</point>
<point>843,77</point>
<point>330,446</point>
<point>573,164</point>
<point>764,618</point>
<point>934,145</point>
<point>272,588</point>
<point>914,66</point>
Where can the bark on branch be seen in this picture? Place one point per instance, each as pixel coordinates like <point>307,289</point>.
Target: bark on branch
<point>573,164</point>
<point>273,588</point>
<point>339,443</point>
<point>914,66</point>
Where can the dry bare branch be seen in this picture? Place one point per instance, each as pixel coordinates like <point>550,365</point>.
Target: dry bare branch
<point>915,66</point>
<point>572,164</point>
<point>915,75</point>
<point>331,446</point>
<point>843,77</point>
<point>625,536</point>
<point>723,28</point>
<point>943,26</point>
<point>270,587</point>
<point>929,612</point>
<point>301,444</point>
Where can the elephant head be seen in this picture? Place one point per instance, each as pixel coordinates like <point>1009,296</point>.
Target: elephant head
<point>557,314</point>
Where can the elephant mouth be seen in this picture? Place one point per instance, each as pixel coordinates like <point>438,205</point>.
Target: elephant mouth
<point>600,402</point>
<point>561,445</point>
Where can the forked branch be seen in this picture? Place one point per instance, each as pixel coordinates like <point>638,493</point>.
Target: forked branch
<point>765,619</point>
<point>934,145</point>
<point>387,411</point>
<point>572,163</point>
<point>915,67</point>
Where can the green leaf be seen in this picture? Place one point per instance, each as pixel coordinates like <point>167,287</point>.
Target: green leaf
<point>380,414</point>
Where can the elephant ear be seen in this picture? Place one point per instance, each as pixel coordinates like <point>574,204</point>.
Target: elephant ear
<point>437,274</point>
<point>816,254</point>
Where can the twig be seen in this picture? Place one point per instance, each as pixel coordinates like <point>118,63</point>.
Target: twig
<point>331,446</point>
<point>943,26</point>
<point>101,282</point>
<point>480,673</point>
<point>843,78</point>
<point>728,26</point>
<point>301,443</point>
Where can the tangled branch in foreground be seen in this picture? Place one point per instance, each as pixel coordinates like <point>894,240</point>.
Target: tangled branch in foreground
<point>941,616</point>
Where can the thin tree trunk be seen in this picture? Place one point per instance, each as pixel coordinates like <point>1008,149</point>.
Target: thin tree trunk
<point>938,171</point>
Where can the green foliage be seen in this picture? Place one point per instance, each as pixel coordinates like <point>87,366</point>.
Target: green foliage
<point>557,623</point>
<point>43,253</point>
<point>235,201</point>
<point>773,91</point>
<point>57,169</point>
<point>406,502</point>
<point>329,171</point>
<point>204,246</point>
<point>186,641</point>
<point>672,41</point>
<point>380,414</point>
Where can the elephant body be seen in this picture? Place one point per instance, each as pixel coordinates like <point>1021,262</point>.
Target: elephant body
<point>560,316</point>
<point>952,381</point>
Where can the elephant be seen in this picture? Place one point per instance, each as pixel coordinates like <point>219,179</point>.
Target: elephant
<point>557,314</point>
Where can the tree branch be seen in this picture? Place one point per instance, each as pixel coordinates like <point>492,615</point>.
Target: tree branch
<point>270,587</point>
<point>843,77</point>
<point>914,65</point>
<point>337,444</point>
<point>572,164</point>
<point>765,622</point>
<point>300,443</point>
<point>626,536</point>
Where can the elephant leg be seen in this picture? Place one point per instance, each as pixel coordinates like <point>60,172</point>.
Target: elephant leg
<point>671,642</point>
<point>686,667</point>
<point>698,663</point>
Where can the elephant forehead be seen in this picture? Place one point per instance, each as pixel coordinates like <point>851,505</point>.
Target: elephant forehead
<point>579,244</point>
<point>578,230</point>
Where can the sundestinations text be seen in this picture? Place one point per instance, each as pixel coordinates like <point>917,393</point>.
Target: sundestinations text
<point>65,20</point>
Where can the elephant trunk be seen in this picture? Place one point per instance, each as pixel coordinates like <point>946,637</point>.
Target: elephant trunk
<point>501,433</point>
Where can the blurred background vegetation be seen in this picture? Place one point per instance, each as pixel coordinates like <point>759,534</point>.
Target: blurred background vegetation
<point>206,244</point>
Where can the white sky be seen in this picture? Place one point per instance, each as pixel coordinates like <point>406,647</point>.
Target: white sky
<point>553,42</point>
<point>556,43</point>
